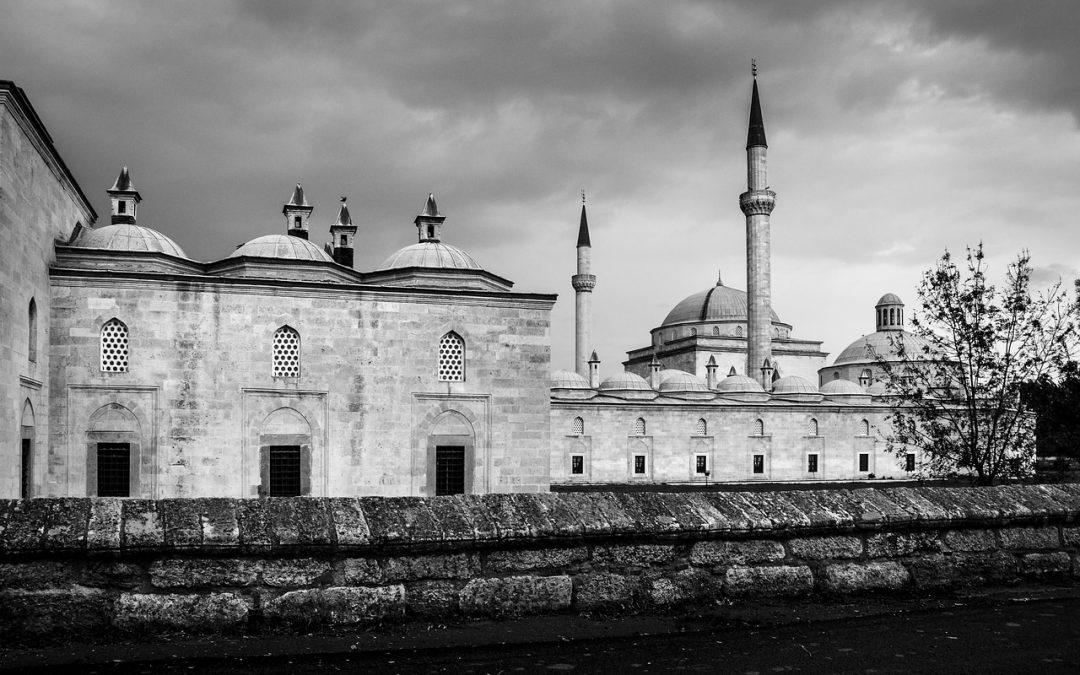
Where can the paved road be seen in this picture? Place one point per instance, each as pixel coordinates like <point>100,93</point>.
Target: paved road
<point>1038,636</point>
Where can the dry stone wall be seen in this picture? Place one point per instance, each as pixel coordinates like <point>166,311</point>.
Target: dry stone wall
<point>92,565</point>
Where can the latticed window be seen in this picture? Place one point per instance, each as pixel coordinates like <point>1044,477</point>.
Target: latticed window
<point>639,427</point>
<point>286,352</point>
<point>577,427</point>
<point>812,427</point>
<point>701,427</point>
<point>865,428</point>
<point>452,358</point>
<point>759,428</point>
<point>114,347</point>
<point>716,331</point>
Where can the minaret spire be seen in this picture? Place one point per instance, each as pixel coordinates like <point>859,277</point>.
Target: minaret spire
<point>757,204</point>
<point>583,282</point>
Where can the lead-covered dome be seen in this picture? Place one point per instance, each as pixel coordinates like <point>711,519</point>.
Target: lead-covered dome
<point>129,237</point>
<point>793,384</point>
<point>625,382</point>
<point>683,382</point>
<point>430,254</point>
<point>718,303</point>
<point>568,379</point>
<point>281,246</point>
<point>863,349</point>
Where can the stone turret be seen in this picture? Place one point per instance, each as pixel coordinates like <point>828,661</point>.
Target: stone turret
<point>343,236</point>
<point>429,221</point>
<point>296,212</point>
<point>125,199</point>
<point>583,282</point>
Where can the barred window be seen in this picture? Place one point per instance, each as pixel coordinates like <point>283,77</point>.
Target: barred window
<point>759,428</point>
<point>286,361</point>
<point>701,427</point>
<point>577,427</point>
<point>639,427</point>
<point>114,347</point>
<point>865,428</point>
<point>738,331</point>
<point>812,427</point>
<point>452,358</point>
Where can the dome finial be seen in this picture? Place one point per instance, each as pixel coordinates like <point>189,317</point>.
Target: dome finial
<point>753,67</point>
<point>720,278</point>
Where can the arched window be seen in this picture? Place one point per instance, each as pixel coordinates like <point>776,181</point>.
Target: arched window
<point>812,427</point>
<point>286,352</point>
<point>577,427</point>
<point>738,331</point>
<point>865,428</point>
<point>452,358</point>
<point>701,428</point>
<point>892,316</point>
<point>759,428</point>
<point>639,426</point>
<point>716,331</point>
<point>693,332</point>
<point>114,347</point>
<point>31,340</point>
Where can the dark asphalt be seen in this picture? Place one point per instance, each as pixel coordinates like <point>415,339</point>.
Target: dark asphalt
<point>1010,632</point>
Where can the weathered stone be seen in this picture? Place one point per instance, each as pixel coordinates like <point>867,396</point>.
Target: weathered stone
<point>531,510</point>
<point>350,528</point>
<point>970,540</point>
<point>868,576</point>
<point>1071,536</point>
<point>38,575</point>
<point>112,574</point>
<point>103,530</point>
<point>27,521</point>
<point>720,553</point>
<point>564,516</point>
<point>602,514</point>
<point>303,521</point>
<point>70,611</point>
<point>896,544</point>
<point>197,572</point>
<point>510,519</point>
<point>284,572</point>
<point>729,515</point>
<point>428,566</point>
<point>219,521</point>
<point>337,605</point>
<point>432,598</point>
<point>361,571</point>
<point>685,586</point>
<point>1039,564</point>
<point>394,519</point>
<point>605,591</point>
<point>183,524</point>
<point>533,559</point>
<point>788,580</point>
<point>1029,537</point>
<point>711,518</point>
<point>963,569</point>
<point>68,519</point>
<point>142,526</point>
<point>826,548</point>
<point>451,514</point>
<point>194,612</point>
<point>622,557</point>
<point>513,596</point>
<point>755,516</point>
<point>253,517</point>
<point>821,513</point>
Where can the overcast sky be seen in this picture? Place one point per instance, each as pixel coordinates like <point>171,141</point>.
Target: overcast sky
<point>896,129</point>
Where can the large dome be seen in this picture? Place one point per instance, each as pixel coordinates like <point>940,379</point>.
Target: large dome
<point>859,351</point>
<point>128,237</point>
<point>430,254</point>
<point>281,246</point>
<point>718,303</point>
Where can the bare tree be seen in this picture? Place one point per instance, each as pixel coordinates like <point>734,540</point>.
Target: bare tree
<point>958,389</point>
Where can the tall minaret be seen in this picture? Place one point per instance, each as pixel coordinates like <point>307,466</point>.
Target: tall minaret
<point>757,203</point>
<point>584,281</point>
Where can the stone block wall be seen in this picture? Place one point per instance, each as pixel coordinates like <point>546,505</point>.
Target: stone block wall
<point>80,565</point>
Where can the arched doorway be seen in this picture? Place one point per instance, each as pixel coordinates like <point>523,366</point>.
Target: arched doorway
<point>285,454</point>
<point>26,465</point>
<point>451,455</point>
<point>112,453</point>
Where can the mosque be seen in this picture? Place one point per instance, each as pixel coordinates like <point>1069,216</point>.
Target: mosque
<point>128,369</point>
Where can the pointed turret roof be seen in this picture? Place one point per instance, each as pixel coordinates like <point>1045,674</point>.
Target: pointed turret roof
<point>583,230</point>
<point>298,198</point>
<point>756,134</point>
<point>123,182</point>
<point>343,217</point>
<point>431,209</point>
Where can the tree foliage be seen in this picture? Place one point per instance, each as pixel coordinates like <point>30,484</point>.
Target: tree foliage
<point>1057,404</point>
<point>957,389</point>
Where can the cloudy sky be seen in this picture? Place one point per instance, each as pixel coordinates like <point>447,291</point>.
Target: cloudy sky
<point>896,129</point>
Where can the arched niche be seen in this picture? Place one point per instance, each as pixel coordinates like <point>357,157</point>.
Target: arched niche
<point>113,452</point>
<point>285,454</point>
<point>451,455</point>
<point>26,458</point>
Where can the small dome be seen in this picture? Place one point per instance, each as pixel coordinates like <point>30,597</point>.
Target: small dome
<point>568,379</point>
<point>430,254</point>
<point>718,303</point>
<point>889,299</point>
<point>877,389</point>
<point>128,237</point>
<point>793,384</point>
<point>683,382</point>
<point>625,381</point>
<point>739,384</point>
<point>859,351</point>
<point>668,373</point>
<point>281,246</point>
<point>842,388</point>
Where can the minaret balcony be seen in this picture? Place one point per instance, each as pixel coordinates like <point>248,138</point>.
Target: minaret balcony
<point>583,282</point>
<point>757,202</point>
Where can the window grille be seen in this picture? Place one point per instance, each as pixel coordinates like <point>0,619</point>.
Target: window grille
<point>759,428</point>
<point>639,464</point>
<point>759,463</point>
<point>716,331</point>
<point>578,426</point>
<point>114,347</point>
<point>701,427</point>
<point>701,464</point>
<point>577,464</point>
<point>811,463</point>
<point>812,427</point>
<point>452,358</point>
<point>639,427</point>
<point>286,352</point>
<point>449,470</point>
<point>284,471</point>
<point>738,331</point>
<point>909,462</point>
<point>693,332</point>
<point>113,470</point>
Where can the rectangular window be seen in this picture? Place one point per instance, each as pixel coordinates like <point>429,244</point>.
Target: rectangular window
<point>811,463</point>
<point>701,464</point>
<point>27,453</point>
<point>449,470</point>
<point>121,207</point>
<point>284,471</point>
<point>639,464</point>
<point>759,463</point>
<point>909,462</point>
<point>864,461</point>
<point>577,465</point>
<point>113,470</point>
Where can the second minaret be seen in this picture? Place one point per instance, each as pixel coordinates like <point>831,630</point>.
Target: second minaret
<point>584,282</point>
